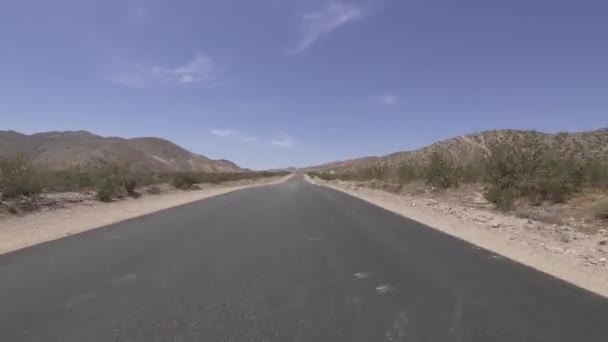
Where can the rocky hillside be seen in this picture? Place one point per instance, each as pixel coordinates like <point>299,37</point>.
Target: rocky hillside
<point>472,147</point>
<point>61,150</point>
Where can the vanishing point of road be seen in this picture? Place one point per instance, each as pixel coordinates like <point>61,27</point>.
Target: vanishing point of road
<point>286,262</point>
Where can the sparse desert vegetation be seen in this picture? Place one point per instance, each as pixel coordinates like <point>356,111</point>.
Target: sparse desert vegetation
<point>24,184</point>
<point>524,174</point>
<point>81,165</point>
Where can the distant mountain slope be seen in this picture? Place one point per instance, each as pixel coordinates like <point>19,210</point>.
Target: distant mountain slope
<point>468,148</point>
<point>60,150</point>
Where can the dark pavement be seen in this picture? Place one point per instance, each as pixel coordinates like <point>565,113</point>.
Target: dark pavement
<point>290,262</point>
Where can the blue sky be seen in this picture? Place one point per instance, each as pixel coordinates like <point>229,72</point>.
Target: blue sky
<point>274,83</point>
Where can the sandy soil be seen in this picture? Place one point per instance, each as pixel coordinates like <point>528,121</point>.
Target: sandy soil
<point>18,232</point>
<point>559,250</point>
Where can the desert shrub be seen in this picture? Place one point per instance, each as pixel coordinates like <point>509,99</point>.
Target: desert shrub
<point>408,173</point>
<point>537,174</point>
<point>504,175</point>
<point>374,172</point>
<point>595,173</point>
<point>184,180</point>
<point>130,183</point>
<point>107,187</point>
<point>18,177</point>
<point>473,172</point>
<point>547,178</point>
<point>600,210</point>
<point>110,181</point>
<point>72,179</point>
<point>154,190</point>
<point>12,209</point>
<point>441,172</point>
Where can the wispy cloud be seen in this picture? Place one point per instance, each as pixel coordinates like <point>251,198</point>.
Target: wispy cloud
<point>201,69</point>
<point>278,140</point>
<point>314,25</point>
<point>283,140</point>
<point>234,134</point>
<point>224,132</point>
<point>387,99</point>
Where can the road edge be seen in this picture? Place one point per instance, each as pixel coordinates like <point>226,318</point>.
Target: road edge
<point>555,265</point>
<point>22,232</point>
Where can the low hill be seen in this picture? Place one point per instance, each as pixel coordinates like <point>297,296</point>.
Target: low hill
<point>61,150</point>
<point>469,148</point>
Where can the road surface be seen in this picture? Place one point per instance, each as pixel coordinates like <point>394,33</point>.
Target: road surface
<point>289,262</point>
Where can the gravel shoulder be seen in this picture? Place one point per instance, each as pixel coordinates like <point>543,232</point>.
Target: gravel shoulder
<point>17,232</point>
<point>561,251</point>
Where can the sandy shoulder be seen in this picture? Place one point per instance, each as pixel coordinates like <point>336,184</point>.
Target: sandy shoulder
<point>20,232</point>
<point>581,260</point>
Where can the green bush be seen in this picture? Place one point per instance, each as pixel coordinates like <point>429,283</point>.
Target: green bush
<point>408,173</point>
<point>18,177</point>
<point>546,178</point>
<point>536,174</point>
<point>110,180</point>
<point>441,172</point>
<point>72,179</point>
<point>107,187</point>
<point>473,172</point>
<point>595,174</point>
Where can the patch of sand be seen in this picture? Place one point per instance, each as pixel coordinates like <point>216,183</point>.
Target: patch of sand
<point>19,232</point>
<point>561,251</point>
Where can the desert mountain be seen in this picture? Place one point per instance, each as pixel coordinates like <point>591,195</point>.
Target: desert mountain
<point>60,150</point>
<point>473,147</point>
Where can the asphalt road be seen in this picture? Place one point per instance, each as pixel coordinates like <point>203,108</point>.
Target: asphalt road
<point>289,262</point>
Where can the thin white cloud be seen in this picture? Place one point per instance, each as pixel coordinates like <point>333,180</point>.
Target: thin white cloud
<point>278,140</point>
<point>317,24</point>
<point>283,141</point>
<point>234,134</point>
<point>201,69</point>
<point>224,132</point>
<point>389,100</point>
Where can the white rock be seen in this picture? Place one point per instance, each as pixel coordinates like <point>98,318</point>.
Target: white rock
<point>553,249</point>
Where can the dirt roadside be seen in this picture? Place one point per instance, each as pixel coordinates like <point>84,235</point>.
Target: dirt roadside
<point>560,251</point>
<point>17,232</point>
